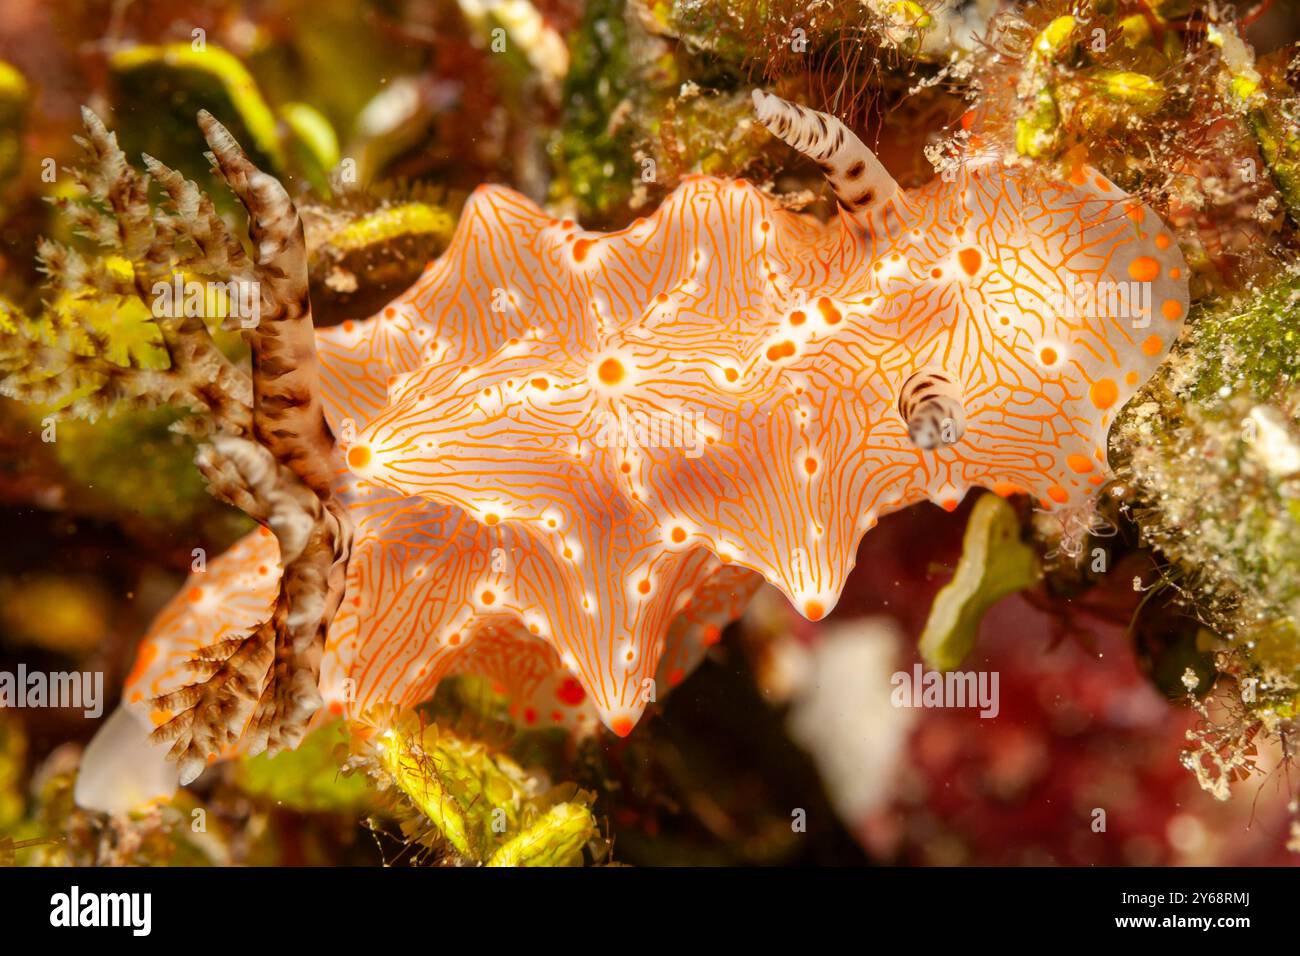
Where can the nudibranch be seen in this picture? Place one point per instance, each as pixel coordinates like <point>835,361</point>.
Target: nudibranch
<point>572,456</point>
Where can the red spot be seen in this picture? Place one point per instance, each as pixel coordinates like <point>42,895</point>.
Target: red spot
<point>570,692</point>
<point>675,676</point>
<point>712,634</point>
<point>530,715</point>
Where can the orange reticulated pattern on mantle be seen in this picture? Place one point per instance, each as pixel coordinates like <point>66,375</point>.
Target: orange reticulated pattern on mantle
<point>575,455</point>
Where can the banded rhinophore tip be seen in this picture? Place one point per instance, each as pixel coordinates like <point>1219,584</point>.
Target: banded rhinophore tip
<point>860,182</point>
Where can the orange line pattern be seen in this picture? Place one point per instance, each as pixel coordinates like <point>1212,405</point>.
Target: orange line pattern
<point>573,456</point>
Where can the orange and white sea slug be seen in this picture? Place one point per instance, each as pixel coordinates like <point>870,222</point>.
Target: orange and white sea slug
<point>572,456</point>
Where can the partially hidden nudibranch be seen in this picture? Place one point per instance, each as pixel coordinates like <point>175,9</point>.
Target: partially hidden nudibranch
<point>571,456</point>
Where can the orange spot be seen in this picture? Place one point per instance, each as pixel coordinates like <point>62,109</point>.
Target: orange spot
<point>580,249</point>
<point>1006,489</point>
<point>159,717</point>
<point>643,587</point>
<point>1095,480</point>
<point>678,535</point>
<point>675,676</point>
<point>487,597</point>
<point>662,296</point>
<point>1131,378</point>
<point>948,504</point>
<point>194,594</point>
<point>1152,345</point>
<point>1172,310</point>
<point>810,465</point>
<point>389,312</point>
<point>765,226</point>
<point>813,610</point>
<point>1058,494</point>
<point>830,314</point>
<point>491,519</point>
<point>541,383</point>
<point>336,708</point>
<point>147,654</point>
<point>797,318</point>
<point>1079,464</point>
<point>779,351</point>
<point>610,371</point>
<point>1048,356</point>
<point>358,456</point>
<point>1144,269</point>
<point>349,325</point>
<point>1162,241</point>
<point>730,374</point>
<point>136,697</point>
<point>1103,393</point>
<point>1175,273</point>
<point>626,468</point>
<point>454,640</point>
<point>712,634</point>
<point>1078,175</point>
<point>621,726</point>
<point>970,260</point>
<point>936,272</point>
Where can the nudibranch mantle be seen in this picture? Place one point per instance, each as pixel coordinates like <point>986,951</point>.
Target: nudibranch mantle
<point>572,456</point>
